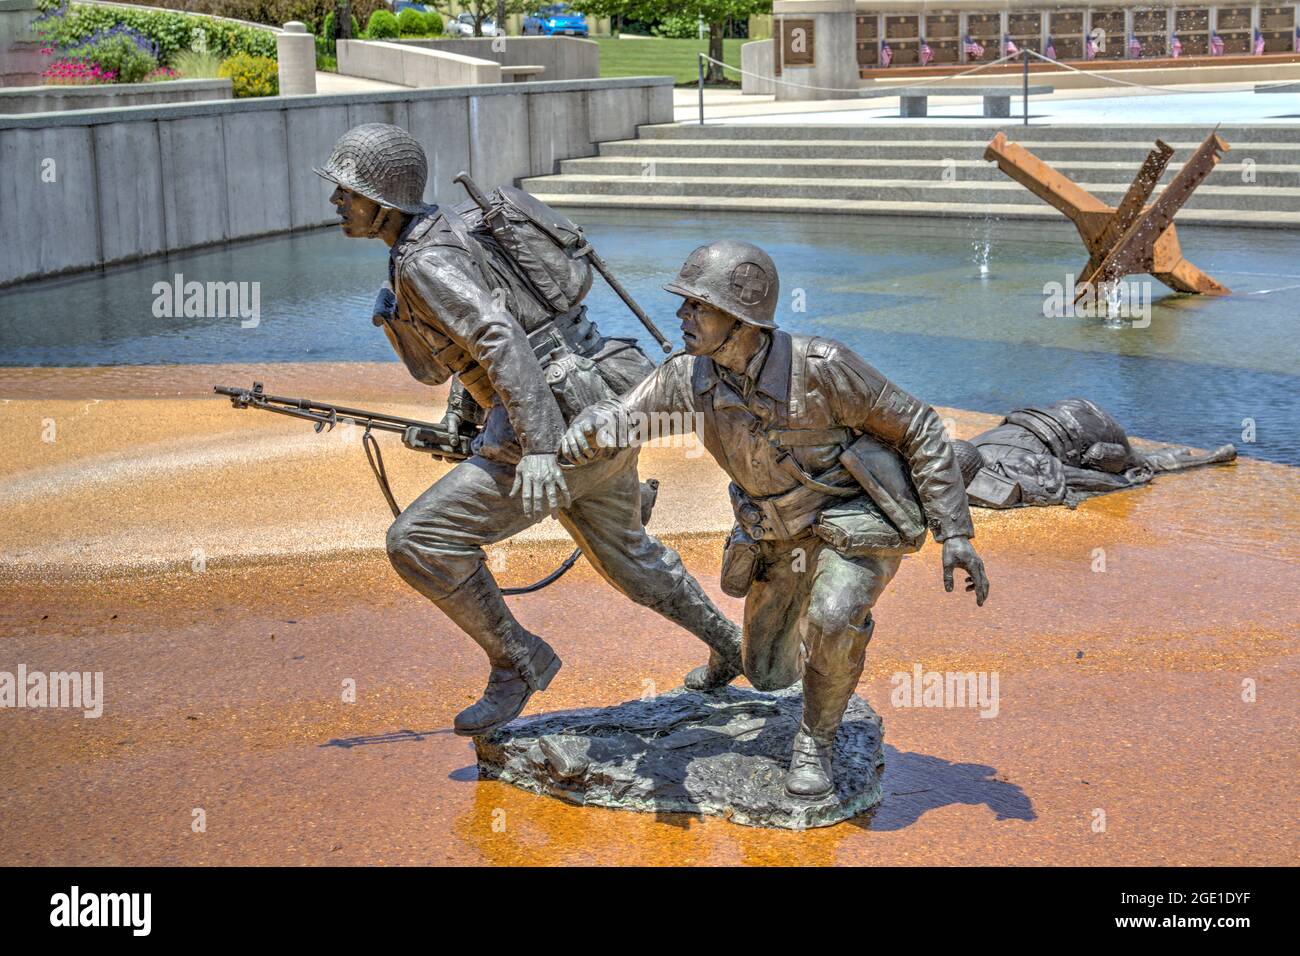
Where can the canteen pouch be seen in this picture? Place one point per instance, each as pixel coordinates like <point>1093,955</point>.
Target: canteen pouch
<point>740,561</point>
<point>576,384</point>
<point>858,529</point>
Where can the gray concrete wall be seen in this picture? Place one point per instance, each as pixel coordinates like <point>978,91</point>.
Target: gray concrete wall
<point>20,60</point>
<point>88,188</point>
<point>565,58</point>
<point>412,66</point>
<point>756,58</point>
<point>53,99</point>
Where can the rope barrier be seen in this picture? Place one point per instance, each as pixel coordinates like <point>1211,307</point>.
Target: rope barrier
<point>872,92</point>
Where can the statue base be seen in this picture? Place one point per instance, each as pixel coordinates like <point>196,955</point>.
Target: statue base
<point>723,753</point>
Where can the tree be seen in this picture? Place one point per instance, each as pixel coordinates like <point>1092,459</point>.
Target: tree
<point>715,13</point>
<point>482,10</point>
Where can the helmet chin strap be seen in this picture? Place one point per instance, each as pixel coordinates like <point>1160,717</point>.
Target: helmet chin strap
<point>377,224</point>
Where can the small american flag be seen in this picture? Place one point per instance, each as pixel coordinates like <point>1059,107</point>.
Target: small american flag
<point>1050,52</point>
<point>1009,47</point>
<point>1259,43</point>
<point>1089,49</point>
<point>1175,46</point>
<point>926,53</point>
<point>886,55</point>
<point>1216,44</point>
<point>1134,46</point>
<point>973,48</point>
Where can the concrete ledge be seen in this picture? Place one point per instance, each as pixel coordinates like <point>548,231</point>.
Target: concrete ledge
<point>565,58</point>
<point>148,114</point>
<point>413,66</point>
<point>49,99</point>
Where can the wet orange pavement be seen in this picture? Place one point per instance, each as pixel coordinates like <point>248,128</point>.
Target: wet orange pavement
<point>224,570</point>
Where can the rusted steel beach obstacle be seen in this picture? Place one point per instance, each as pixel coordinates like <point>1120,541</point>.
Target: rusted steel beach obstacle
<point>1132,237</point>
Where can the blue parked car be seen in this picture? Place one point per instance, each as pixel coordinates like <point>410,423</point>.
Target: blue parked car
<point>556,20</point>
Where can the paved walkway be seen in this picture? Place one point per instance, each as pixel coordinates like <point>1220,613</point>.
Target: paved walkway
<point>1121,693</point>
<point>1224,102</point>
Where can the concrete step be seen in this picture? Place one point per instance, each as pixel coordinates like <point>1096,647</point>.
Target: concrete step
<point>1263,218</point>
<point>1052,152</point>
<point>930,169</point>
<point>922,130</point>
<point>1003,192</point>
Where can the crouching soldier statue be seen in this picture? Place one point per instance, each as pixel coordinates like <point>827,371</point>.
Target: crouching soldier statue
<point>491,297</point>
<point>836,474</point>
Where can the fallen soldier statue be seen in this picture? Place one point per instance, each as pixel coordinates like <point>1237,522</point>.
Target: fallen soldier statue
<point>1062,454</point>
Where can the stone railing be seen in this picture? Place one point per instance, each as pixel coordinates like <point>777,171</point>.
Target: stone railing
<point>52,99</point>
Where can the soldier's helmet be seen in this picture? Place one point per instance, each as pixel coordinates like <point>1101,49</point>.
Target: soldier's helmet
<point>381,162</point>
<point>737,277</point>
<point>969,459</point>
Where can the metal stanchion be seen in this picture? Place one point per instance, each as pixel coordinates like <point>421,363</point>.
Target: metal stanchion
<point>1026,88</point>
<point>700,60</point>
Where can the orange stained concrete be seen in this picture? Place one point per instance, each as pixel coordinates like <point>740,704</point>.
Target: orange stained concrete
<point>224,570</point>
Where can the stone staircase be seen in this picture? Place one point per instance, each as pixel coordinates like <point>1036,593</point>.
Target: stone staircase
<point>919,170</point>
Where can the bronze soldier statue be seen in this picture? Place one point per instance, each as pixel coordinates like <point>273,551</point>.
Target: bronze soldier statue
<point>836,474</point>
<point>1062,454</point>
<point>474,298</point>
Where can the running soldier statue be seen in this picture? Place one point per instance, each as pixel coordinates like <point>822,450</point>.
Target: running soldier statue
<point>492,299</point>
<point>836,474</point>
<point>1062,454</point>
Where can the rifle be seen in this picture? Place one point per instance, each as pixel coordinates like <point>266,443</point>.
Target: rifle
<point>437,440</point>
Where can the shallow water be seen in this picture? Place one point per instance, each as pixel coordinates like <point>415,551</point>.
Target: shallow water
<point>910,295</point>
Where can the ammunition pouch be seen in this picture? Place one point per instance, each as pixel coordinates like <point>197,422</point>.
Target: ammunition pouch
<point>858,528</point>
<point>740,563</point>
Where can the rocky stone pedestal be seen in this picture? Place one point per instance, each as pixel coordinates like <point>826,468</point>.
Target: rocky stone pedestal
<point>723,753</point>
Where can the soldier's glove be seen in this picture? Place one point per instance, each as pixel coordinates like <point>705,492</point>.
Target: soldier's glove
<point>958,553</point>
<point>539,483</point>
<point>589,436</point>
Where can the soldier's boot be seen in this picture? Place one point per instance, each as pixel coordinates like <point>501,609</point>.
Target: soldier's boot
<point>825,698</point>
<point>522,663</point>
<point>689,607</point>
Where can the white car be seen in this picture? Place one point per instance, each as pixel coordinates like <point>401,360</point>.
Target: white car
<point>463,26</point>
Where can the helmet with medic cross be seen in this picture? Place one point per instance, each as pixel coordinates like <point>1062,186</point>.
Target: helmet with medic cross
<point>737,277</point>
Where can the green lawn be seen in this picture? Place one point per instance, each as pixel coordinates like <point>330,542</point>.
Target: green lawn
<point>657,56</point>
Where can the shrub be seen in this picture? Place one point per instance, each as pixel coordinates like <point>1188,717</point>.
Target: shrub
<point>251,75</point>
<point>68,26</point>
<point>382,25</point>
<point>433,23</point>
<point>679,26</point>
<point>326,63</point>
<point>410,22</point>
<point>197,66</point>
<point>129,56</point>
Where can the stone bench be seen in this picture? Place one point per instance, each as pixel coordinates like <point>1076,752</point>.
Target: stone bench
<point>913,100</point>
<point>1277,88</point>
<point>521,73</point>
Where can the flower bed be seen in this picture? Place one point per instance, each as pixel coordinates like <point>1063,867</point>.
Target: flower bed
<point>95,44</point>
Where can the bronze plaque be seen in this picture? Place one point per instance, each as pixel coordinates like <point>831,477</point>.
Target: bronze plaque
<point>797,42</point>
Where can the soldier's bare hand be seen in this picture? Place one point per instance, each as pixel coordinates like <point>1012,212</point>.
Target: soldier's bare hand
<point>580,443</point>
<point>540,485</point>
<point>958,553</point>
